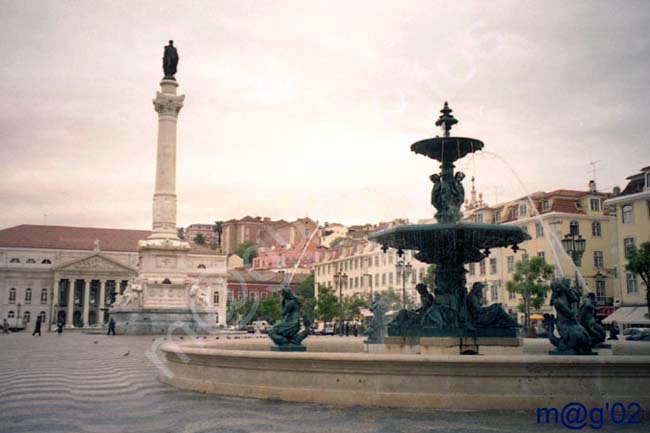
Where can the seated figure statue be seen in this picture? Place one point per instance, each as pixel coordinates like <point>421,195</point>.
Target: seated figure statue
<point>492,316</point>
<point>574,338</point>
<point>377,326</point>
<point>428,314</point>
<point>587,318</point>
<point>287,334</point>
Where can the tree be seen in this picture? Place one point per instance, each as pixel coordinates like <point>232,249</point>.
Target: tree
<point>638,262</point>
<point>306,289</point>
<point>528,281</point>
<point>269,309</point>
<point>392,299</point>
<point>247,251</point>
<point>218,230</point>
<point>309,307</point>
<point>352,307</point>
<point>430,278</point>
<point>199,239</point>
<point>241,312</point>
<point>327,306</point>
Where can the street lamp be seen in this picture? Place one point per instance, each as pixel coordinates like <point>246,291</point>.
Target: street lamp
<point>18,315</point>
<point>404,270</point>
<point>340,278</point>
<point>574,245</point>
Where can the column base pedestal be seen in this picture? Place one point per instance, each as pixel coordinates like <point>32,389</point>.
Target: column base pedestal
<point>163,321</point>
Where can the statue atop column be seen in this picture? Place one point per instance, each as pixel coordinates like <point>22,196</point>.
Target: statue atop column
<point>170,61</point>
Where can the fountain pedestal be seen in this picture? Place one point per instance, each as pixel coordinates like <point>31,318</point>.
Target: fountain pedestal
<point>453,346</point>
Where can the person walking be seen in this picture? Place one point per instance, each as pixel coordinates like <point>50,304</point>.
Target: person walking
<point>5,326</point>
<point>59,325</point>
<point>37,327</point>
<point>111,327</point>
<point>355,330</point>
<point>614,332</point>
<point>347,329</point>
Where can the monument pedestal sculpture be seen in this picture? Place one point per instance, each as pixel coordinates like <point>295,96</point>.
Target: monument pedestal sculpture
<point>170,294</point>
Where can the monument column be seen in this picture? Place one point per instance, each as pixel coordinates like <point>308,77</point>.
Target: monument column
<point>167,104</point>
<point>69,321</point>
<point>86,304</point>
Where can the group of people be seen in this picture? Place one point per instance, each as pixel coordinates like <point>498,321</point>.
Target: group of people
<point>59,326</point>
<point>347,329</point>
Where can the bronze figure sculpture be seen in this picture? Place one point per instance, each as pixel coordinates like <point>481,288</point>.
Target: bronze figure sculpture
<point>287,334</point>
<point>170,61</point>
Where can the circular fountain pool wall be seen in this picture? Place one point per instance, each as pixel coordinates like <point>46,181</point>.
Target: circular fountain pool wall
<point>340,373</point>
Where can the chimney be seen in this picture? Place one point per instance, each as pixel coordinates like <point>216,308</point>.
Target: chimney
<point>592,186</point>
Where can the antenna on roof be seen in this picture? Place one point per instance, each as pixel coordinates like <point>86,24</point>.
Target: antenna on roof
<point>593,169</point>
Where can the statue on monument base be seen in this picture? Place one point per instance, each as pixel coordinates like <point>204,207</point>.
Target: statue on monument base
<point>287,334</point>
<point>132,295</point>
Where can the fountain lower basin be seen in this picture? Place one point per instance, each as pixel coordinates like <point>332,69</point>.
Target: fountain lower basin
<point>337,371</point>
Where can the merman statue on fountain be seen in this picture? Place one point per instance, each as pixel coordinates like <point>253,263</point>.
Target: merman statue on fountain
<point>287,334</point>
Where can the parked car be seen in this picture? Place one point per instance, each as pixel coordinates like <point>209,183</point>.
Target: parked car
<point>324,328</point>
<point>637,334</point>
<point>261,326</point>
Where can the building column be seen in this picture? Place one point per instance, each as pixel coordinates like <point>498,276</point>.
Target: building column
<point>102,295</point>
<point>86,303</point>
<point>54,300</point>
<point>69,323</point>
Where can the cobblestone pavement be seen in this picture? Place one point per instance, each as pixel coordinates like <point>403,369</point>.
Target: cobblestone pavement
<point>86,383</point>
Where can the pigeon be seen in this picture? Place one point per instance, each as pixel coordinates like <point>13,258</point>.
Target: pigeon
<point>96,342</point>
<point>127,353</point>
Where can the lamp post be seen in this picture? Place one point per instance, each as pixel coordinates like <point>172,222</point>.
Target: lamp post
<point>340,278</point>
<point>403,269</point>
<point>18,315</point>
<point>574,245</point>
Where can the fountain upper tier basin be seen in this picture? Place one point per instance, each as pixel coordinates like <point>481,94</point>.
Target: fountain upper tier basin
<point>447,148</point>
<point>440,242</point>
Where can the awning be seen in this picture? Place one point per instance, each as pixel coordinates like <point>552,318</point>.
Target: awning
<point>629,315</point>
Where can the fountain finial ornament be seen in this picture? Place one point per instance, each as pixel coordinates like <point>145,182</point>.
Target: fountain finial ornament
<point>170,61</point>
<point>446,119</point>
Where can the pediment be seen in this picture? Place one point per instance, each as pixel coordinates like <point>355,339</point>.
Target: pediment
<point>95,261</point>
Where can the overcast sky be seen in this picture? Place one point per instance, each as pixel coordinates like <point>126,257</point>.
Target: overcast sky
<point>308,108</point>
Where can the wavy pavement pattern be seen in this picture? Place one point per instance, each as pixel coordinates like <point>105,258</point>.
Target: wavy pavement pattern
<point>77,383</point>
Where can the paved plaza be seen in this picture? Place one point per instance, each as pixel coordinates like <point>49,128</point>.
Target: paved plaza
<point>86,383</point>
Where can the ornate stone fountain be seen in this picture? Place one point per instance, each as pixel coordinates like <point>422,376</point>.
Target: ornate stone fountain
<point>449,245</point>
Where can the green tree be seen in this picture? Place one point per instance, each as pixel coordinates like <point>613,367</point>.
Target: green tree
<point>392,299</point>
<point>638,262</point>
<point>430,278</point>
<point>241,312</point>
<point>247,251</point>
<point>199,239</point>
<point>269,309</point>
<point>327,306</point>
<point>306,289</point>
<point>528,281</point>
<point>309,307</point>
<point>352,307</point>
<point>218,230</point>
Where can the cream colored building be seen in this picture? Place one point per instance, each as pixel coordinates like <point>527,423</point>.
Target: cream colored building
<point>368,269</point>
<point>74,273</point>
<point>547,217</point>
<point>630,221</point>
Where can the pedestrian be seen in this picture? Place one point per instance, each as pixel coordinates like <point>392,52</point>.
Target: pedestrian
<point>111,327</point>
<point>37,327</point>
<point>347,329</point>
<point>355,330</point>
<point>5,326</point>
<point>613,331</point>
<point>59,325</point>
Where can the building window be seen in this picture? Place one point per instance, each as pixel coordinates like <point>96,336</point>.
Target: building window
<point>539,230</point>
<point>511,263</point>
<point>481,267</point>
<point>515,212</point>
<point>252,296</point>
<point>627,243</point>
<point>30,261</point>
<point>376,260</point>
<point>215,298</point>
<point>594,204</point>
<point>46,262</point>
<point>545,205</point>
<point>601,292</point>
<point>598,259</point>
<point>479,218</point>
<point>493,266</point>
<point>14,260</point>
<point>376,280</point>
<point>494,293</point>
<point>201,266</point>
<point>632,287</point>
<point>42,316</point>
<point>390,279</point>
<point>27,317</point>
<point>12,296</point>
<point>472,268</point>
<point>44,296</point>
<point>596,229</point>
<point>523,209</point>
<point>11,315</point>
<point>541,254</point>
<point>497,215</point>
<point>574,228</point>
<point>230,297</point>
<point>627,214</point>
<point>383,279</point>
<point>512,295</point>
<point>242,295</point>
<point>28,296</point>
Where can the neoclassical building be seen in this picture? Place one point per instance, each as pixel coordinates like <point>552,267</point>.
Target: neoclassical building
<point>75,273</point>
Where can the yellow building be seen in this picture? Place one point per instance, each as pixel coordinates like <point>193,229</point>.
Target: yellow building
<point>547,217</point>
<point>630,215</point>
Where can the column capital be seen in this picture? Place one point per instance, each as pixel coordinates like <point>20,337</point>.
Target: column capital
<point>167,104</point>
